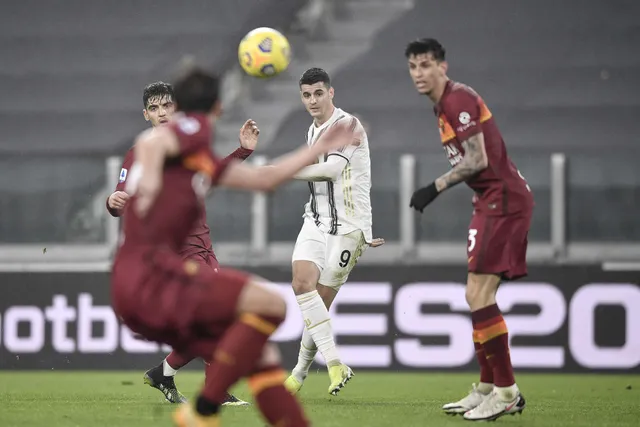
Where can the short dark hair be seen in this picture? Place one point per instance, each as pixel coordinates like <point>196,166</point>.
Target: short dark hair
<point>156,90</point>
<point>421,46</point>
<point>315,75</point>
<point>196,90</point>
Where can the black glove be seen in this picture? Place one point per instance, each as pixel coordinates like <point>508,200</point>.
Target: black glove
<point>422,197</point>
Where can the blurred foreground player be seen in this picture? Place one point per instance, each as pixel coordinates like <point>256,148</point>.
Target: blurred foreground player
<point>503,206</point>
<point>225,317</point>
<point>159,106</point>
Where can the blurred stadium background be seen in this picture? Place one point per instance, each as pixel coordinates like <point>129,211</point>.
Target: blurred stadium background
<point>562,78</point>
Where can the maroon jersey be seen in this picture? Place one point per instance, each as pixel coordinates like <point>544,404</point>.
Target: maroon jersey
<point>179,205</point>
<point>199,239</point>
<point>500,188</point>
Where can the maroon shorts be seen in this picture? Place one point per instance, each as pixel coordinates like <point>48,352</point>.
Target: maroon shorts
<point>498,245</point>
<point>177,302</point>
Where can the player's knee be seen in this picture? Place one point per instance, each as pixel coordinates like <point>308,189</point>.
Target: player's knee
<point>258,299</point>
<point>481,290</point>
<point>305,277</point>
<point>302,284</point>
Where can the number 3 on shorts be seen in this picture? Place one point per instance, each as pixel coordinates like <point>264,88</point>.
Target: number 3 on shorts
<point>472,239</point>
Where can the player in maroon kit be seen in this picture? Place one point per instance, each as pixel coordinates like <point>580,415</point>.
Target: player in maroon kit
<point>225,317</point>
<point>503,206</point>
<point>159,106</point>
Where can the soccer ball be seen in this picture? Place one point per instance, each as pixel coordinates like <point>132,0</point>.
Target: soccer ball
<point>264,52</point>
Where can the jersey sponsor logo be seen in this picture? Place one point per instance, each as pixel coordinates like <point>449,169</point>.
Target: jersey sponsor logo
<point>123,175</point>
<point>454,156</point>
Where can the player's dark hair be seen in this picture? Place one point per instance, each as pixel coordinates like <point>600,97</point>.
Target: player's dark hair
<point>315,75</point>
<point>196,90</point>
<point>156,90</point>
<point>422,46</point>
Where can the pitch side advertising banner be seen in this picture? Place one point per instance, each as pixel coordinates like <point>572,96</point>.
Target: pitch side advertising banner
<point>573,319</point>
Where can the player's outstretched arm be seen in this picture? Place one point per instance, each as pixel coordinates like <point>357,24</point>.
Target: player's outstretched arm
<point>327,171</point>
<point>267,178</point>
<point>474,161</point>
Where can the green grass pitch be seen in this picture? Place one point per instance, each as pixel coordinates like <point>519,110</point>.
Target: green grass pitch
<point>108,399</point>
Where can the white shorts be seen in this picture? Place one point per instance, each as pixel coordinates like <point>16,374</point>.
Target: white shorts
<point>335,256</point>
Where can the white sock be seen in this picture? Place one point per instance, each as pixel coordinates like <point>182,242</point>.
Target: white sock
<point>306,355</point>
<point>167,370</point>
<point>507,394</point>
<point>318,323</point>
<point>485,388</point>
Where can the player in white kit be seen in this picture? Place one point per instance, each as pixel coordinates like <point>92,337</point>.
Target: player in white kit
<point>336,229</point>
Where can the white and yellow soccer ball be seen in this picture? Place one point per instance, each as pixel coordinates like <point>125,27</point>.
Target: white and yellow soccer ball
<point>264,52</point>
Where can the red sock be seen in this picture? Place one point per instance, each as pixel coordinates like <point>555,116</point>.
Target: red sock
<point>493,335</point>
<point>486,373</point>
<point>277,405</point>
<point>177,361</point>
<point>237,354</point>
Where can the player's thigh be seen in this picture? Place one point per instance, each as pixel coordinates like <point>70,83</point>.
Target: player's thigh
<point>310,245</point>
<point>258,298</point>
<point>342,254</point>
<point>208,301</point>
<point>219,310</point>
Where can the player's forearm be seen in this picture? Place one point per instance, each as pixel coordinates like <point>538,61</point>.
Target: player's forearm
<point>287,166</point>
<point>266,178</point>
<point>320,172</point>
<point>473,162</point>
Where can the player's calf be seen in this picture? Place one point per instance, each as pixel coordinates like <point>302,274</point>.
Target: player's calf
<point>491,333</point>
<point>277,405</point>
<point>260,312</point>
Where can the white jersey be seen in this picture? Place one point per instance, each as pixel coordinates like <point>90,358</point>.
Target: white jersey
<point>342,206</point>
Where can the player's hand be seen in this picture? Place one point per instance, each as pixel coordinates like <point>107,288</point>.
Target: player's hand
<point>337,136</point>
<point>422,197</point>
<point>118,200</point>
<point>249,135</point>
<point>146,193</point>
<point>376,242</point>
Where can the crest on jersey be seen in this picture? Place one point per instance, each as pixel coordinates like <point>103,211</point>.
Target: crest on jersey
<point>188,125</point>
<point>123,175</point>
<point>464,118</point>
<point>266,45</point>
